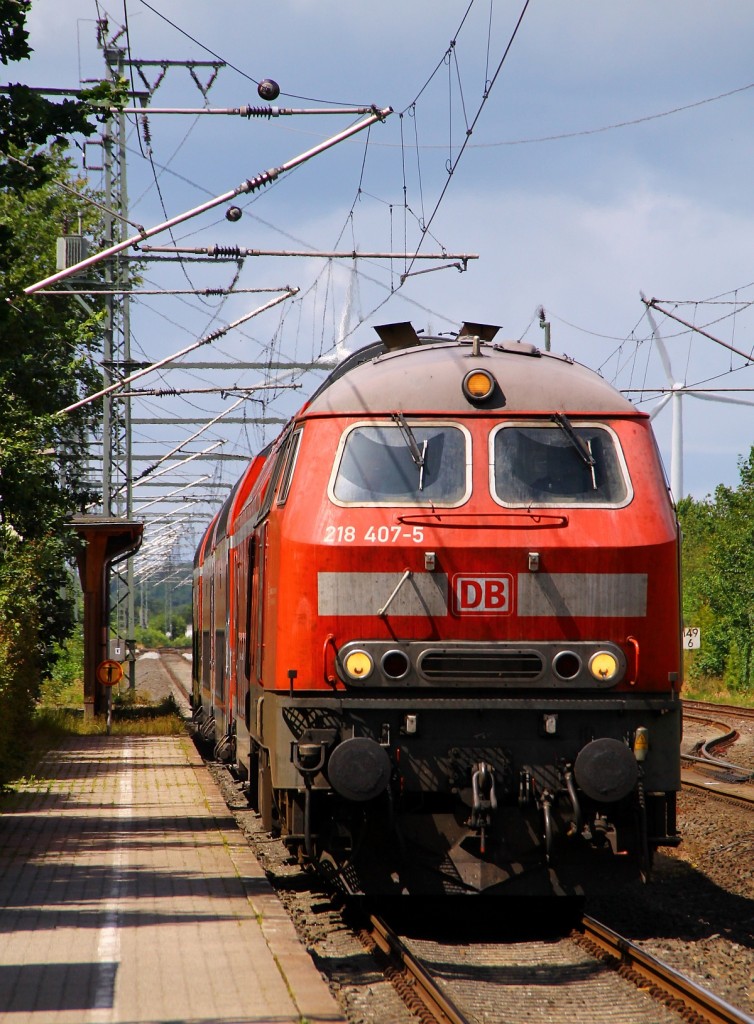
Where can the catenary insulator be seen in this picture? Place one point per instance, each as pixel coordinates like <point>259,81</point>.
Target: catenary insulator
<point>223,250</point>
<point>267,112</point>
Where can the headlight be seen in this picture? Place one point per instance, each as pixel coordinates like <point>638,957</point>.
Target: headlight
<point>603,665</point>
<point>358,664</point>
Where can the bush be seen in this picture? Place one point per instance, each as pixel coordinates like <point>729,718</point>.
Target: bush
<point>718,567</point>
<point>65,685</point>
<point>21,655</point>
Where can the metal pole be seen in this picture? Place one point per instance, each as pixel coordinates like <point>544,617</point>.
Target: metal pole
<point>245,111</point>
<point>123,276</point>
<point>250,185</point>
<point>184,351</point>
<point>237,251</point>
<point>107,408</point>
<point>653,304</point>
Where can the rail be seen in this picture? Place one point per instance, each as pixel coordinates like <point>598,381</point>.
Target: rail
<point>414,984</point>
<point>706,705</point>
<point>665,982</point>
<point>691,1001</point>
<point>705,754</point>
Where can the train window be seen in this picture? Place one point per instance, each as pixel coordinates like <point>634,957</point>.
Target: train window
<point>403,463</point>
<point>258,602</point>
<point>576,464</point>
<point>290,465</point>
<point>276,462</point>
<point>249,652</point>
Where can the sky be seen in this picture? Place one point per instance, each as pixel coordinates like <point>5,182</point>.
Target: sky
<point>589,153</point>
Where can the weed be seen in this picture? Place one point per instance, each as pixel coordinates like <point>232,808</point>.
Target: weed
<point>710,689</point>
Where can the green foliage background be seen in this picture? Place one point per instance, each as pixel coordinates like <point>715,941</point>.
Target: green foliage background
<point>718,582</point>
<point>46,364</point>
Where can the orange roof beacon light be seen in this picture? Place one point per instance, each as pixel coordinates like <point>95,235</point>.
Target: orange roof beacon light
<point>478,385</point>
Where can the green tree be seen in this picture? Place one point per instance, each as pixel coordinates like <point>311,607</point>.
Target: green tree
<point>46,363</point>
<point>719,579</point>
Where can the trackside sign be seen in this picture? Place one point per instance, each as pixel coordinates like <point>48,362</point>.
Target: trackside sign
<point>483,595</point>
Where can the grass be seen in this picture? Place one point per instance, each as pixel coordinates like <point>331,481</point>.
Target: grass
<point>61,706</point>
<point>717,692</point>
<point>133,718</point>
<point>60,714</point>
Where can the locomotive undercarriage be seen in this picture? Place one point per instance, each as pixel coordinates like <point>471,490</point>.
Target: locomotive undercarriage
<point>468,795</point>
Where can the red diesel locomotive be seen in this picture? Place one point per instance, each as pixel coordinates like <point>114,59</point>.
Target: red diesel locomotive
<point>437,624</point>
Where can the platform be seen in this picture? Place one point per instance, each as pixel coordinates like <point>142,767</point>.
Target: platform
<point>127,894</point>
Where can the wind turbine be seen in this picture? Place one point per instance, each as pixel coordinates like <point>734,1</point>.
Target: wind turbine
<point>676,391</point>
<point>344,328</point>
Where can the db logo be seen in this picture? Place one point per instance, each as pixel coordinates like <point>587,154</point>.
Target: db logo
<point>483,594</point>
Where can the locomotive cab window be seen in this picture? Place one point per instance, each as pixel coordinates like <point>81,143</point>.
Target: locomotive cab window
<point>558,463</point>
<point>290,464</point>
<point>402,462</point>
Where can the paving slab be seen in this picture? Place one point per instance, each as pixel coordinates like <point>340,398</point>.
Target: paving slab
<point>128,895</point>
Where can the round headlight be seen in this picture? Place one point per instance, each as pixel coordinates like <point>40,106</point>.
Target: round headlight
<point>566,665</point>
<point>395,664</point>
<point>358,665</point>
<point>603,665</point>
<point>478,385</point>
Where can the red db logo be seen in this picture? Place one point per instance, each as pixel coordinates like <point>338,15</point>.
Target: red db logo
<point>491,595</point>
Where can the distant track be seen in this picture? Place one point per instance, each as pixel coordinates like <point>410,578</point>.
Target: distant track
<point>708,762</point>
<point>162,651</point>
<point>722,709</point>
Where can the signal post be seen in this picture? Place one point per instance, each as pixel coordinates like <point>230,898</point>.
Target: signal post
<point>106,539</point>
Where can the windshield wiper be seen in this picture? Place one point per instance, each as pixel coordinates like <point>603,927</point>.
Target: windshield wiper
<point>584,448</point>
<point>419,455</point>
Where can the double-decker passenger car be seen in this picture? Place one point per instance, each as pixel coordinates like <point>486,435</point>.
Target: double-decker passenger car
<point>437,623</point>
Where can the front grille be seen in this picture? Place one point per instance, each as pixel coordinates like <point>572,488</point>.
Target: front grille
<point>481,665</point>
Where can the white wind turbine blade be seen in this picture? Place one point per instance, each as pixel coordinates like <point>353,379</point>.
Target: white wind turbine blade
<point>706,397</point>
<point>719,398</point>
<point>664,357</point>
<point>661,404</point>
<point>345,317</point>
<point>676,437</point>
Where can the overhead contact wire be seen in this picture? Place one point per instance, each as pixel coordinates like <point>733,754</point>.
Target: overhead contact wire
<point>470,130</point>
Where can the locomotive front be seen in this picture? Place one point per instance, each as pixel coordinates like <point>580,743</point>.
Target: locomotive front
<point>469,654</point>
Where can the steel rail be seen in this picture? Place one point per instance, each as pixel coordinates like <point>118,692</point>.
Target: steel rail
<point>705,755</point>
<point>174,678</point>
<point>689,999</point>
<point>706,705</point>
<point>421,983</point>
<point>712,790</point>
<point>662,976</point>
<point>745,774</point>
<point>715,762</point>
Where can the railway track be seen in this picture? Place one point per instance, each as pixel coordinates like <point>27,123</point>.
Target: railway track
<point>710,707</point>
<point>430,1001</point>
<point>166,654</point>
<point>719,939</point>
<point>413,982</point>
<point>707,769</point>
<point>665,983</point>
